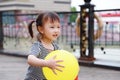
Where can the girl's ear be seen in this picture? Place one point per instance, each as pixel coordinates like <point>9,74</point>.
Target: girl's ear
<point>40,29</point>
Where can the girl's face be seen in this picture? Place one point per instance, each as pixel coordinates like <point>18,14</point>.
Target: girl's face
<point>51,30</point>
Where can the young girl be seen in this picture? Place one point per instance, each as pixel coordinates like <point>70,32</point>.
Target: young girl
<point>48,26</point>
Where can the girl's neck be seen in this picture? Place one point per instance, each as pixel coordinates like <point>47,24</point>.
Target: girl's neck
<point>47,44</point>
<point>46,41</point>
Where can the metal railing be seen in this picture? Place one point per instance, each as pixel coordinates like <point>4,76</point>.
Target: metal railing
<point>16,36</point>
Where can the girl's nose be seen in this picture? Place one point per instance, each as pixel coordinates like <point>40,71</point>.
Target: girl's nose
<point>57,29</point>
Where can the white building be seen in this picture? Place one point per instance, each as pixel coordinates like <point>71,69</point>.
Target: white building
<point>35,5</point>
<point>30,6</point>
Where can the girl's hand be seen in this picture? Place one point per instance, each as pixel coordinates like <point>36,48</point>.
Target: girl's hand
<point>54,64</point>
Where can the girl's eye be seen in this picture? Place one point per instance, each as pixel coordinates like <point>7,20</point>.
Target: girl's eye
<point>58,27</point>
<point>54,27</point>
<point>51,27</point>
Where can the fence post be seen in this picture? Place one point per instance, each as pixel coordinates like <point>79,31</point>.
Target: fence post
<point>1,31</point>
<point>87,10</point>
<point>91,32</point>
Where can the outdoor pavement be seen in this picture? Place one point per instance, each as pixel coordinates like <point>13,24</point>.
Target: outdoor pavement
<point>14,68</point>
<point>109,57</point>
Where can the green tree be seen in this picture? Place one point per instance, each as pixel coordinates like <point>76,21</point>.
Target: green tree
<point>73,15</point>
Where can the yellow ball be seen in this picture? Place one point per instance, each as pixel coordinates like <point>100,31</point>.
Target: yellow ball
<point>70,63</point>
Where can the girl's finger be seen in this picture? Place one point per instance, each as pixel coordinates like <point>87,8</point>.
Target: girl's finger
<point>59,60</point>
<point>54,71</point>
<point>58,69</point>
<point>58,65</point>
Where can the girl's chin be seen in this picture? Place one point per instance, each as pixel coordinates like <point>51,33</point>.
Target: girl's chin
<point>54,39</point>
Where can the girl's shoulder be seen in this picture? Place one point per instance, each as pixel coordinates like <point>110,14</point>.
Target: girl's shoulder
<point>55,45</point>
<point>36,48</point>
<point>37,43</point>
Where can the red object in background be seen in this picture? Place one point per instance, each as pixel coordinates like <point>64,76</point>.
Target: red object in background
<point>110,14</point>
<point>76,78</point>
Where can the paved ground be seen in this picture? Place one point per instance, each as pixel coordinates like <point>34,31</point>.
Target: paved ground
<point>14,68</point>
<point>109,57</point>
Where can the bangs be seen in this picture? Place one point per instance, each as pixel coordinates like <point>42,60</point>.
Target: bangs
<point>52,17</point>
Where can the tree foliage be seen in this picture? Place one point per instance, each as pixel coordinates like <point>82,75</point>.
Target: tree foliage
<point>73,16</point>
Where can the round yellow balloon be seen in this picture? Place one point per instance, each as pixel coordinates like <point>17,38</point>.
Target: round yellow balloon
<point>70,63</point>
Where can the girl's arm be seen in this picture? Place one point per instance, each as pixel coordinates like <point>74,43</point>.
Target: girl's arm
<point>34,61</point>
<point>51,63</point>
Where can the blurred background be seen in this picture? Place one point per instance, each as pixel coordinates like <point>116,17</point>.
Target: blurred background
<point>15,16</point>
